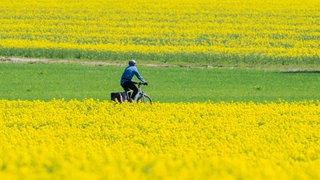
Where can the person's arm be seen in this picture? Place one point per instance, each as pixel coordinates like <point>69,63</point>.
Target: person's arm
<point>136,72</point>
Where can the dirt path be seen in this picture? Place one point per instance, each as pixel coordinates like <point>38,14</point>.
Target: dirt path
<point>63,61</point>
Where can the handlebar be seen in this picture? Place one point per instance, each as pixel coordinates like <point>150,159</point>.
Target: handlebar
<point>140,83</point>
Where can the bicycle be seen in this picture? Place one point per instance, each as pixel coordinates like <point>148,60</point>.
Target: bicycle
<point>141,96</point>
<point>125,96</point>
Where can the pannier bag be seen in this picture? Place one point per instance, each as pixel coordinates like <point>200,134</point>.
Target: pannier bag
<point>119,96</point>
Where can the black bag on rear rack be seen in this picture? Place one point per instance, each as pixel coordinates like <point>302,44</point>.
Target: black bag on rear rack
<point>119,97</point>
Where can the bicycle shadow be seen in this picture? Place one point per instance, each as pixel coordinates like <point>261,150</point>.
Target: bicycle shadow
<point>301,71</point>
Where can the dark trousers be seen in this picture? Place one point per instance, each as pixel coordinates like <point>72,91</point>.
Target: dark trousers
<point>129,85</point>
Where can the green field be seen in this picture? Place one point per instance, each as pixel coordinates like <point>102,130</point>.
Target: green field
<point>166,84</point>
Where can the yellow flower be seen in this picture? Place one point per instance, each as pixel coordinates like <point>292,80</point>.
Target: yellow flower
<point>282,29</point>
<point>96,139</point>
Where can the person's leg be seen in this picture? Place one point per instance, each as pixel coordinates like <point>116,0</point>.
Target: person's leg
<point>135,92</point>
<point>125,87</point>
<point>130,85</point>
<point>134,88</point>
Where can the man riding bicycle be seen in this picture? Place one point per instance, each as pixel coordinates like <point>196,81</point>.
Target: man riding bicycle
<point>126,79</point>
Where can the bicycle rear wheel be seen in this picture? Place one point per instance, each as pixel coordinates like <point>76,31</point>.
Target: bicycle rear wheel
<point>144,99</point>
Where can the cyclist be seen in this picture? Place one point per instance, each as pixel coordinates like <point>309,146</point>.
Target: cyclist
<point>126,79</point>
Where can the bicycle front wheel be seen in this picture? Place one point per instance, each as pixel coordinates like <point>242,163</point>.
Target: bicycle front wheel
<point>144,99</point>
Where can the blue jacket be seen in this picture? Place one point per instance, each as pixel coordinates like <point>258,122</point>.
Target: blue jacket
<point>128,74</point>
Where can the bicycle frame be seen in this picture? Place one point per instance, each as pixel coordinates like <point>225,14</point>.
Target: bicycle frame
<point>140,95</point>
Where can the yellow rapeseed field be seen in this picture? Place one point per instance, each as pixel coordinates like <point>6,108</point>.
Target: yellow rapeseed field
<point>244,28</point>
<point>92,139</point>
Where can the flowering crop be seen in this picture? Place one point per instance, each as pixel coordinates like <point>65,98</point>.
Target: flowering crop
<point>93,139</point>
<point>222,28</point>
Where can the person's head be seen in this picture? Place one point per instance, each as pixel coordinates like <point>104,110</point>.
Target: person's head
<point>132,62</point>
